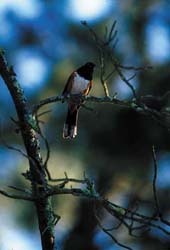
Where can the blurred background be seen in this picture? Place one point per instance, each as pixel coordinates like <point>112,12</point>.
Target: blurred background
<point>45,41</point>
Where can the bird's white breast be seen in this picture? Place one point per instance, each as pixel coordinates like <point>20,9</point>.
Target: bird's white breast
<point>79,85</point>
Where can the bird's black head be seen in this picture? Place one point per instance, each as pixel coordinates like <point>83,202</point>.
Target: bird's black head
<point>86,70</point>
<point>90,65</point>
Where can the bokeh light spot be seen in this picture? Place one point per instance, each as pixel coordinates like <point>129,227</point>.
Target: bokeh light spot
<point>31,68</point>
<point>23,8</point>
<point>89,9</point>
<point>158,45</point>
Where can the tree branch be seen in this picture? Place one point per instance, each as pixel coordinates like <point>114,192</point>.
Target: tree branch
<point>19,197</point>
<point>32,145</point>
<point>106,231</point>
<point>93,99</point>
<point>154,182</point>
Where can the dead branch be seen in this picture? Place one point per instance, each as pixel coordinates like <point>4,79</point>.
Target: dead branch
<point>18,197</point>
<point>155,195</point>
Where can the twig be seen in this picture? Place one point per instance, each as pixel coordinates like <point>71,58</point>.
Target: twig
<point>47,101</point>
<point>147,67</point>
<point>112,34</point>
<point>19,197</point>
<point>109,75</point>
<point>109,234</point>
<point>132,77</point>
<point>45,162</point>
<point>15,149</point>
<point>48,152</point>
<point>68,180</point>
<point>140,218</point>
<point>33,161</point>
<point>122,214</point>
<point>120,73</point>
<point>20,189</point>
<point>154,182</point>
<point>102,72</point>
<point>43,113</point>
<point>100,45</point>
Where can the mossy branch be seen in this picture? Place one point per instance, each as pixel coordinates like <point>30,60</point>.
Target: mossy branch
<point>36,168</point>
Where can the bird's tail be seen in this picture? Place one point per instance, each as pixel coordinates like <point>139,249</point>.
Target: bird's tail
<point>70,126</point>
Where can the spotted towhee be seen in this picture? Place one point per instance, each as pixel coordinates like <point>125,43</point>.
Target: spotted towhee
<point>79,83</point>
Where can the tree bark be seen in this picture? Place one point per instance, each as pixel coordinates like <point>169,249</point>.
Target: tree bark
<point>36,174</point>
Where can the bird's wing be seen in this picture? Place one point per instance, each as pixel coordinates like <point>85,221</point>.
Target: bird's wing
<point>86,92</point>
<point>69,84</point>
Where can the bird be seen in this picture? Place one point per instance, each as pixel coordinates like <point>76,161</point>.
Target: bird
<point>79,84</point>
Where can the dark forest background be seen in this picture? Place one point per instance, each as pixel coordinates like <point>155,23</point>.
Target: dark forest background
<point>45,42</point>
